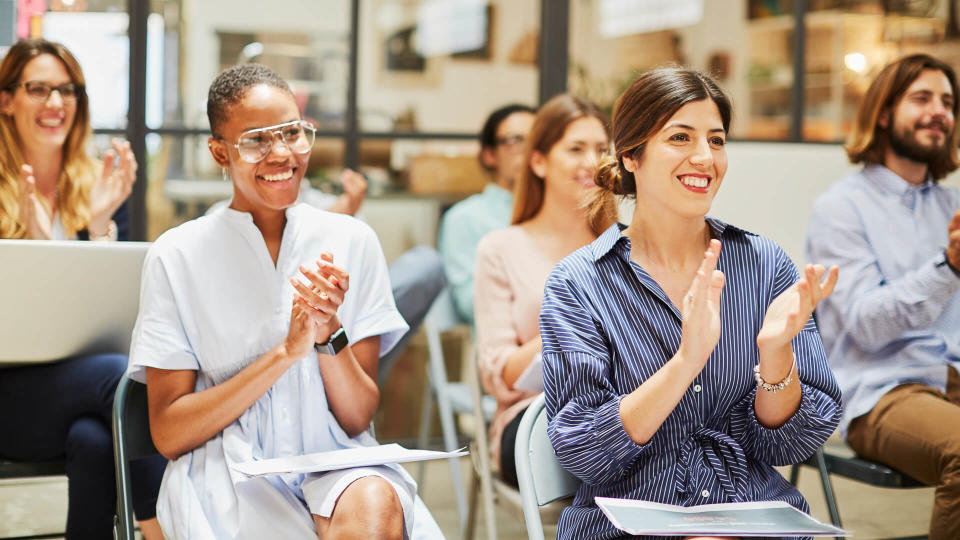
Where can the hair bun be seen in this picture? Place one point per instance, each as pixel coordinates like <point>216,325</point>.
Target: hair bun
<point>608,174</point>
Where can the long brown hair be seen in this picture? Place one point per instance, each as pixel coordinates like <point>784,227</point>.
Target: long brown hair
<point>548,128</point>
<point>642,111</point>
<point>868,141</point>
<point>76,178</point>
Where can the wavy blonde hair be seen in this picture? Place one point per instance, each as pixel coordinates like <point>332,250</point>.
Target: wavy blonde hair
<point>548,128</point>
<point>79,170</point>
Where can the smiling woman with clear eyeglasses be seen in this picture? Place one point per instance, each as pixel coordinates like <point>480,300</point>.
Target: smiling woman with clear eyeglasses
<point>259,334</point>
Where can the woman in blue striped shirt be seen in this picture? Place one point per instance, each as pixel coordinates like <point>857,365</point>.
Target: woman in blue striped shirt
<point>676,372</point>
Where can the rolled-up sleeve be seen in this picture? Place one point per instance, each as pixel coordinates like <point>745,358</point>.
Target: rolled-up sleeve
<point>583,408</point>
<point>820,409</point>
<point>159,338</point>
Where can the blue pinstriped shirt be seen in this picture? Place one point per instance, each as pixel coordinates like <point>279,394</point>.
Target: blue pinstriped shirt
<point>607,326</point>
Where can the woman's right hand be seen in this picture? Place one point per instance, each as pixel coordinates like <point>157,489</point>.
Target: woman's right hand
<point>33,215</point>
<point>701,310</point>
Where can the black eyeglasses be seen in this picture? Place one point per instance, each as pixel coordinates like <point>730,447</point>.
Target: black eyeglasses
<point>511,140</point>
<point>40,91</point>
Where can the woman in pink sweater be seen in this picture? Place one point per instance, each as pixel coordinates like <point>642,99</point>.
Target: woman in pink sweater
<point>552,217</point>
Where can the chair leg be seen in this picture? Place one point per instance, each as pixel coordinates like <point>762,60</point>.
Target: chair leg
<point>828,492</point>
<point>471,526</point>
<point>426,413</point>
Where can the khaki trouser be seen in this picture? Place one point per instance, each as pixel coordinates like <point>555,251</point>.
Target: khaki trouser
<point>916,430</point>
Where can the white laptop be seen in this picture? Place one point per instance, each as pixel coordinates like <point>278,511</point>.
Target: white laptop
<point>61,299</point>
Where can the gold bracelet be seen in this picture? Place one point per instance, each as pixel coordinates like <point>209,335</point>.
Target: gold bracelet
<point>773,387</point>
<point>110,236</point>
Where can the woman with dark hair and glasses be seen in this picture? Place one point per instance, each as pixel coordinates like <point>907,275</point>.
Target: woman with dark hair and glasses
<point>50,188</point>
<point>675,372</point>
<point>258,336</point>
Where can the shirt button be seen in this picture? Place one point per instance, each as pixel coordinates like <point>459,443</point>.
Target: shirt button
<point>277,311</point>
<point>697,388</point>
<point>705,494</point>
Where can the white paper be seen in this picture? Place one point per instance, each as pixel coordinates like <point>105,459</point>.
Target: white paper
<point>341,459</point>
<point>531,380</point>
<point>750,519</point>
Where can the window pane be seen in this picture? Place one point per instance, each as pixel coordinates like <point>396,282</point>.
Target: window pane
<point>96,33</point>
<point>437,167</point>
<point>183,181</point>
<point>848,43</point>
<point>744,44</point>
<point>311,52</point>
<point>440,66</point>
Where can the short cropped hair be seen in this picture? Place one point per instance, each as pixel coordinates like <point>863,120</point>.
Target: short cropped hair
<point>232,84</point>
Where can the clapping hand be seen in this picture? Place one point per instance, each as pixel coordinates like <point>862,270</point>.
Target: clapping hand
<point>701,309</point>
<point>313,318</point>
<point>354,192</point>
<point>113,187</point>
<point>789,312</point>
<point>33,214</point>
<point>953,242</point>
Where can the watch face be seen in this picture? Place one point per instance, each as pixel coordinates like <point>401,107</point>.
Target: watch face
<point>337,342</point>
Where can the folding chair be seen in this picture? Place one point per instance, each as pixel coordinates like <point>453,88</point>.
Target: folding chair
<point>131,441</point>
<point>451,397</point>
<point>544,484</point>
<point>492,489</point>
<point>854,468</point>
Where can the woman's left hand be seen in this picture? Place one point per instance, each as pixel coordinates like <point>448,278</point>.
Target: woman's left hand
<point>789,312</point>
<point>113,187</point>
<point>324,295</point>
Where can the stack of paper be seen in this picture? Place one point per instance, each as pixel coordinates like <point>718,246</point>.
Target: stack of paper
<point>341,459</point>
<point>771,518</point>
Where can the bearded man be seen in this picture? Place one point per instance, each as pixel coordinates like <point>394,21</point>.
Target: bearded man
<point>892,325</point>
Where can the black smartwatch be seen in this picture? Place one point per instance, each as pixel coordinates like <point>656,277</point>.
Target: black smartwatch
<point>334,344</point>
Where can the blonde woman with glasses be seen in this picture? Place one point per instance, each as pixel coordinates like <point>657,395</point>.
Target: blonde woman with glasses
<point>50,188</point>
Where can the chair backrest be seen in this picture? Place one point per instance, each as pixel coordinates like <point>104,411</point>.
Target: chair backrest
<point>131,440</point>
<point>542,480</point>
<point>443,313</point>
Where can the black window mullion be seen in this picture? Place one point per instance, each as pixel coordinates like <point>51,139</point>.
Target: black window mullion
<point>554,43</point>
<point>799,70</point>
<point>138,11</point>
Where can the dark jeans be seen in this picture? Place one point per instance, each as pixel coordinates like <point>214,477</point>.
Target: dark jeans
<point>63,410</point>
<point>416,278</point>
<point>508,444</point>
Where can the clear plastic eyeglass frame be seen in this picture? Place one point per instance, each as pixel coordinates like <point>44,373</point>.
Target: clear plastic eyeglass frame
<point>256,144</point>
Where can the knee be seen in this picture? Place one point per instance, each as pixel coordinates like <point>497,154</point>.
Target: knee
<point>370,506</point>
<point>89,443</point>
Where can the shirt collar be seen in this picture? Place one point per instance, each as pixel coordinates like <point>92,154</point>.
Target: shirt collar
<point>890,182</point>
<point>613,238</point>
<point>493,191</point>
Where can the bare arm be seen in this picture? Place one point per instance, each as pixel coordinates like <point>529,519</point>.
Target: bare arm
<point>645,409</point>
<point>350,381</point>
<point>519,359</point>
<point>181,419</point>
<point>785,318</point>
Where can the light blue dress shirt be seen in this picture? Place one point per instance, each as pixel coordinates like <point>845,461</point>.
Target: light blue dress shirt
<point>607,327</point>
<point>464,224</point>
<point>894,316</point>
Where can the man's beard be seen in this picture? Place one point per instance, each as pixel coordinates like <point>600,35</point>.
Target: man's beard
<point>905,144</point>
